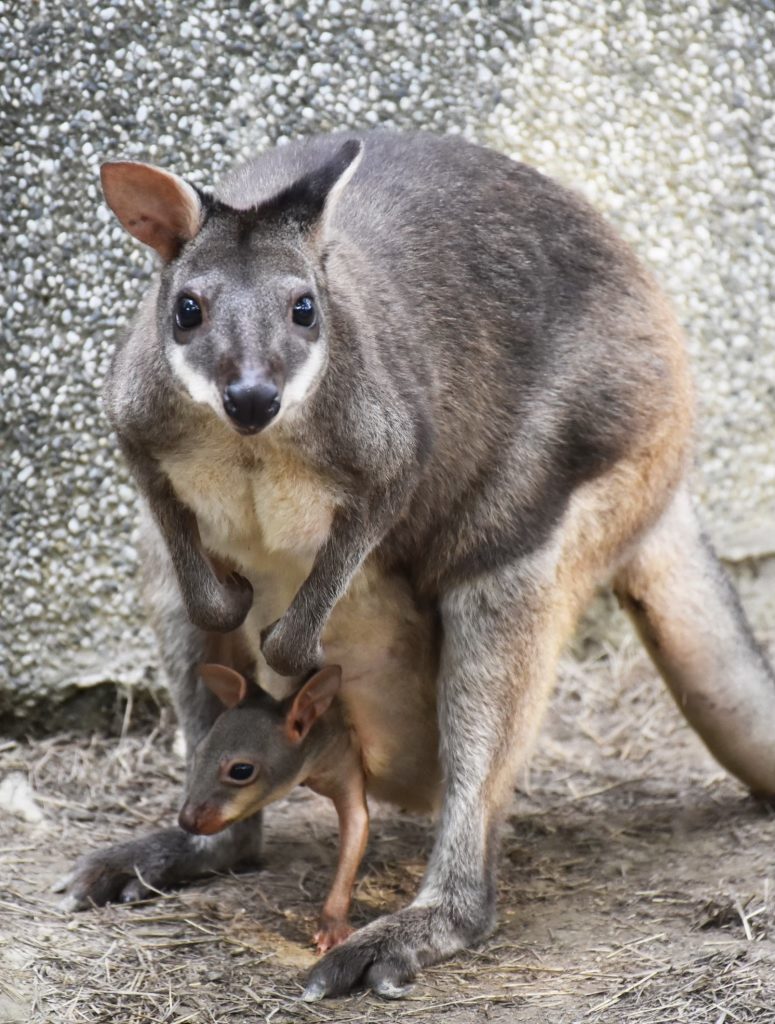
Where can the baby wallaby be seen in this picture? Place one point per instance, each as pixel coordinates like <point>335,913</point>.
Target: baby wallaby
<point>259,748</point>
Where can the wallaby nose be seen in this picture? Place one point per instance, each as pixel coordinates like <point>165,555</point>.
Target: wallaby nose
<point>201,820</point>
<point>251,402</point>
<point>187,819</point>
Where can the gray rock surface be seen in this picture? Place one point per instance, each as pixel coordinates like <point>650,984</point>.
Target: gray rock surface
<point>662,114</point>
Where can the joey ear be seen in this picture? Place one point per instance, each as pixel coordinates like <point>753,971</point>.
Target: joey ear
<point>311,200</point>
<point>157,207</point>
<point>229,687</point>
<point>312,701</point>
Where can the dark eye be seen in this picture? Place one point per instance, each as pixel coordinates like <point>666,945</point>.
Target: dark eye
<point>304,311</point>
<point>241,772</point>
<point>188,313</point>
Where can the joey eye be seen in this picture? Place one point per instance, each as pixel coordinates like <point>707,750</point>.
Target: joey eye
<point>303,312</point>
<point>188,313</point>
<point>241,772</point>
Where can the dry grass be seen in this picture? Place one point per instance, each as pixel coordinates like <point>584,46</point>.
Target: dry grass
<point>637,885</point>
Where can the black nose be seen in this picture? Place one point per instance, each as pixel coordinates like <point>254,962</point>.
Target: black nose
<point>251,402</point>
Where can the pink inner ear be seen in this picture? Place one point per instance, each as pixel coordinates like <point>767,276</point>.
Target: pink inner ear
<point>228,686</point>
<point>158,208</point>
<point>312,701</point>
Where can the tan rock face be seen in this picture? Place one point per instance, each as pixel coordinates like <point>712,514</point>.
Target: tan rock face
<point>662,117</point>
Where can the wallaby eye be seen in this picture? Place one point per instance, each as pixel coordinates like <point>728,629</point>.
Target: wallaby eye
<point>304,311</point>
<point>241,772</point>
<point>188,313</point>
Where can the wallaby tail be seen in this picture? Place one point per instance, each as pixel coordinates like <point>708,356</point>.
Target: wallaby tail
<point>690,619</point>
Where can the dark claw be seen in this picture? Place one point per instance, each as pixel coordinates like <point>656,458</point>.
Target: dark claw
<point>388,978</point>
<point>134,892</point>
<point>388,990</point>
<point>314,991</point>
<point>62,883</point>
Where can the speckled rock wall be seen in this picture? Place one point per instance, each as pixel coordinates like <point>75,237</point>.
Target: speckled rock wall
<point>662,113</point>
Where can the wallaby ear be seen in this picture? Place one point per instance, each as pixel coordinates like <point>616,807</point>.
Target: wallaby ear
<point>229,687</point>
<point>158,208</point>
<point>311,200</point>
<point>312,701</point>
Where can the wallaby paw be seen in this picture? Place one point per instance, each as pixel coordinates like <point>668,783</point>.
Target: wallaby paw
<point>123,873</point>
<point>221,607</point>
<point>331,933</point>
<point>288,653</point>
<point>94,881</point>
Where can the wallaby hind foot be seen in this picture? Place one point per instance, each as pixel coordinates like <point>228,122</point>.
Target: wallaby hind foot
<point>137,869</point>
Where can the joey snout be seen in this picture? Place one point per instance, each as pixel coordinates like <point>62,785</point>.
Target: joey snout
<point>202,819</point>
<point>251,402</point>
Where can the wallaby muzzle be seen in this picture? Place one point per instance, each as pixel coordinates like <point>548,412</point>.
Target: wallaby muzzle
<point>203,820</point>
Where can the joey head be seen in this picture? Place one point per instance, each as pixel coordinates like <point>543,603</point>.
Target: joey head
<point>259,748</point>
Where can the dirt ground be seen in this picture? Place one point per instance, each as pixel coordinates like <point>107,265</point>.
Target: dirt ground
<point>636,885</point>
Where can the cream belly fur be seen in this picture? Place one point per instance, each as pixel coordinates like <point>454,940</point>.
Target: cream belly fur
<point>265,511</point>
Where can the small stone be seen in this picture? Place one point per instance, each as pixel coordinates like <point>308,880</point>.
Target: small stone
<point>17,797</point>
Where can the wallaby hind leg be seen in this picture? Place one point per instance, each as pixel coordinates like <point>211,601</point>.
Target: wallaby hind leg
<point>132,870</point>
<point>690,619</point>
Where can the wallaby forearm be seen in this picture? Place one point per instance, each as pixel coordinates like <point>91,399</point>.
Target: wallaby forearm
<point>212,605</point>
<point>291,645</point>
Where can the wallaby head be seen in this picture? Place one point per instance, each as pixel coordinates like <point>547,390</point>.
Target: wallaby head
<point>242,307</point>
<point>257,750</point>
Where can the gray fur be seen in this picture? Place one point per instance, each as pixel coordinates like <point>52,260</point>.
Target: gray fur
<point>413,360</point>
<point>499,412</point>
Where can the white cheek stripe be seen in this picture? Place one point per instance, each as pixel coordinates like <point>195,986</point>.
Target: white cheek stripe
<point>299,386</point>
<point>196,384</point>
<point>205,392</point>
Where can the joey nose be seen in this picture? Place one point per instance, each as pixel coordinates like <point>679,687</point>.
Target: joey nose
<point>187,819</point>
<point>201,819</point>
<point>251,403</point>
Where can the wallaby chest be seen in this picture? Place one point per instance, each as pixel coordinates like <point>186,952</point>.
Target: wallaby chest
<point>266,510</point>
<point>255,499</point>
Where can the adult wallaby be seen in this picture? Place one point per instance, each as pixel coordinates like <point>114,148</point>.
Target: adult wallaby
<point>410,358</point>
